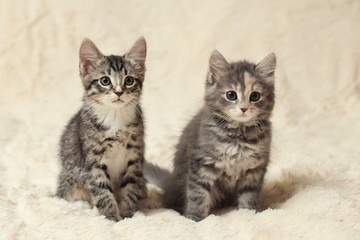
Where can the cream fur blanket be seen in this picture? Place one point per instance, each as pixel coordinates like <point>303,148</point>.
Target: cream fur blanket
<point>312,188</point>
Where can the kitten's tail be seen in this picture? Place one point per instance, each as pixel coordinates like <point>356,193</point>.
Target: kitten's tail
<point>156,175</point>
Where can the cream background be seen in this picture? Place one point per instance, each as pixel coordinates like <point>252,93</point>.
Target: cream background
<point>312,189</point>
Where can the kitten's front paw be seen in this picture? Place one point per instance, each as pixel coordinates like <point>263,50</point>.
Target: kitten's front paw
<point>127,211</point>
<point>248,200</point>
<point>194,217</point>
<point>247,206</point>
<point>115,218</point>
<point>111,212</point>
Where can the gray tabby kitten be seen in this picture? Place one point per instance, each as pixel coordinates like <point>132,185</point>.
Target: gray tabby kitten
<point>224,151</point>
<point>102,147</point>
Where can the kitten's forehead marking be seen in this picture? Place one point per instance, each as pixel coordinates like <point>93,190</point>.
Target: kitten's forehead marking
<point>244,88</point>
<point>115,80</point>
<point>117,70</point>
<point>249,82</point>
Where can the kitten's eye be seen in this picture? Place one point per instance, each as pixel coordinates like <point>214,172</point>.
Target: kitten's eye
<point>231,95</point>
<point>105,81</point>
<point>254,96</point>
<point>129,81</point>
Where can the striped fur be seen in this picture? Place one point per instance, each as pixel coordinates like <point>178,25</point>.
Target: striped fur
<point>102,147</point>
<point>223,153</point>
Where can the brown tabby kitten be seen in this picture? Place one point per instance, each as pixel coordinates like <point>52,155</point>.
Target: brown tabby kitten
<point>224,151</point>
<point>102,147</point>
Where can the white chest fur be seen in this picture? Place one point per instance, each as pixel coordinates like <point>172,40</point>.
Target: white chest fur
<point>116,160</point>
<point>114,118</point>
<point>235,159</point>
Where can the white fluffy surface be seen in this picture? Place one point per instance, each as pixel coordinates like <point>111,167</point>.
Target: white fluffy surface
<point>312,188</point>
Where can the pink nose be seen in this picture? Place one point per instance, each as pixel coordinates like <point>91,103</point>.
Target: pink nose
<point>243,109</point>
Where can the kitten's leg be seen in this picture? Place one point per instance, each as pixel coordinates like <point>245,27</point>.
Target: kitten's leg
<point>66,183</point>
<point>198,198</point>
<point>97,181</point>
<point>70,187</point>
<point>132,187</point>
<point>248,188</point>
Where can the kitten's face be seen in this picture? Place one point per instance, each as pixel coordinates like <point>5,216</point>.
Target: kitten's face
<point>241,91</point>
<point>113,81</point>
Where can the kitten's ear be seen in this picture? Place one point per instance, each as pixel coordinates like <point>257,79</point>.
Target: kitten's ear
<point>90,56</point>
<point>137,54</point>
<point>266,68</point>
<point>218,66</point>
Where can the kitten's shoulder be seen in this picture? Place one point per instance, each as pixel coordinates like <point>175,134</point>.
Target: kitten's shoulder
<point>194,124</point>
<point>72,124</point>
<point>77,122</point>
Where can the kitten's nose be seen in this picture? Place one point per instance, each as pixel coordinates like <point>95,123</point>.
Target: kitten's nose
<point>118,93</point>
<point>243,109</point>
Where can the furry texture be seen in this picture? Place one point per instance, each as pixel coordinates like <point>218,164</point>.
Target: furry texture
<point>223,153</point>
<point>102,147</point>
<point>311,188</point>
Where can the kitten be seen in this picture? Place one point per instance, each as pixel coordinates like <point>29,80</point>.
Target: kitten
<point>224,151</point>
<point>102,147</point>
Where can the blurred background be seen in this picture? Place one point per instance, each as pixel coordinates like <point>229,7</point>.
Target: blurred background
<point>316,118</point>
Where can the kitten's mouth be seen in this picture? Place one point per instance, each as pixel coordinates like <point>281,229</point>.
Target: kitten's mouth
<point>241,117</point>
<point>118,101</point>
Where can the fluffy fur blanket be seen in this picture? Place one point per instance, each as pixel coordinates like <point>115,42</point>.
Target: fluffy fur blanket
<point>312,188</point>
